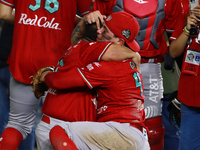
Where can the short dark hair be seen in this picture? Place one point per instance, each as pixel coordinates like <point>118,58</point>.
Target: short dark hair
<point>91,31</point>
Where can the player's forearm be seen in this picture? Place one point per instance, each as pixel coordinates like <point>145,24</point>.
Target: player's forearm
<point>78,19</point>
<point>177,46</point>
<point>7,13</point>
<point>64,80</point>
<point>118,53</point>
<point>78,32</point>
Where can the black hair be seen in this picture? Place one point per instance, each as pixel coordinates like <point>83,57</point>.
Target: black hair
<point>91,31</point>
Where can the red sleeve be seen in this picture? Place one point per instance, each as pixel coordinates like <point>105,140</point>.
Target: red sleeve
<point>84,6</point>
<point>64,80</point>
<point>104,6</point>
<point>93,51</point>
<point>181,22</point>
<point>174,15</point>
<point>8,2</point>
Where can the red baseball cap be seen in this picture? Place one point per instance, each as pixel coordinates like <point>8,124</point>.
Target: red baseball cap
<point>125,26</point>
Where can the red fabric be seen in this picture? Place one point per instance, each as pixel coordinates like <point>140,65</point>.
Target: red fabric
<point>74,104</point>
<point>105,6</point>
<point>10,139</point>
<point>156,133</point>
<point>119,91</point>
<point>43,40</point>
<point>60,140</point>
<point>181,24</point>
<point>188,89</point>
<point>9,3</point>
<point>45,119</point>
<point>72,80</point>
<point>185,7</point>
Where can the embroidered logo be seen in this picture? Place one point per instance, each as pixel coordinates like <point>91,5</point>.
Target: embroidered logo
<point>190,56</point>
<point>141,1</point>
<point>126,33</point>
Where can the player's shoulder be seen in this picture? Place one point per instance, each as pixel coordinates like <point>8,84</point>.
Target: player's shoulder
<point>95,44</point>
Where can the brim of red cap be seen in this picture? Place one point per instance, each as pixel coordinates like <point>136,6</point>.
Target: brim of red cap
<point>134,46</point>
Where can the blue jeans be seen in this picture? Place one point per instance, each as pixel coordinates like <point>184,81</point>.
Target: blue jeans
<point>190,128</point>
<point>27,144</point>
<point>171,138</point>
<point>4,97</point>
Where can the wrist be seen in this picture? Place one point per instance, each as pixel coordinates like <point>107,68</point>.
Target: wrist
<point>186,31</point>
<point>43,75</point>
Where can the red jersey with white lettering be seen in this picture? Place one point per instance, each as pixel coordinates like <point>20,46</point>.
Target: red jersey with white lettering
<point>120,90</point>
<point>42,33</point>
<point>75,104</point>
<point>154,17</point>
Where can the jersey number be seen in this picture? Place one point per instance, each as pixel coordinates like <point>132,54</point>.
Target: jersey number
<point>136,76</point>
<point>50,5</point>
<point>138,83</point>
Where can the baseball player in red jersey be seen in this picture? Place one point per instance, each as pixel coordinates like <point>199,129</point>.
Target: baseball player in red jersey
<point>120,112</point>
<point>120,96</point>
<point>154,17</point>
<point>42,32</point>
<point>75,104</point>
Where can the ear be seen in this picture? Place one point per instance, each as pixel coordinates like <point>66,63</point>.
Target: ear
<point>121,41</point>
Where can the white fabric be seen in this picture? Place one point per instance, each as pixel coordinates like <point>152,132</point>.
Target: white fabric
<point>23,107</point>
<point>94,135</point>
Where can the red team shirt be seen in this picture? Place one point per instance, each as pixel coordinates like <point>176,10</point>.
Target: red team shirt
<point>75,104</point>
<point>120,91</point>
<point>43,33</point>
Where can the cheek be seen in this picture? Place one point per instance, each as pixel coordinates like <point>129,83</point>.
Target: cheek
<point>99,36</point>
<point>100,31</point>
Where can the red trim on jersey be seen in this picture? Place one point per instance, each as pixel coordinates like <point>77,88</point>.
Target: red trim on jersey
<point>8,3</point>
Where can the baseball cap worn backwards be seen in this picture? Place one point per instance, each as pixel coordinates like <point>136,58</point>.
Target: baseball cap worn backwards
<point>125,26</point>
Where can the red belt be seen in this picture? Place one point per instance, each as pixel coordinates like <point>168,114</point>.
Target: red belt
<point>154,122</point>
<point>138,127</point>
<point>46,119</point>
<point>152,59</point>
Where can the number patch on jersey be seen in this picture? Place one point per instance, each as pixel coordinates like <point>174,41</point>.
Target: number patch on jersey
<point>138,82</point>
<point>50,5</point>
<point>137,78</point>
